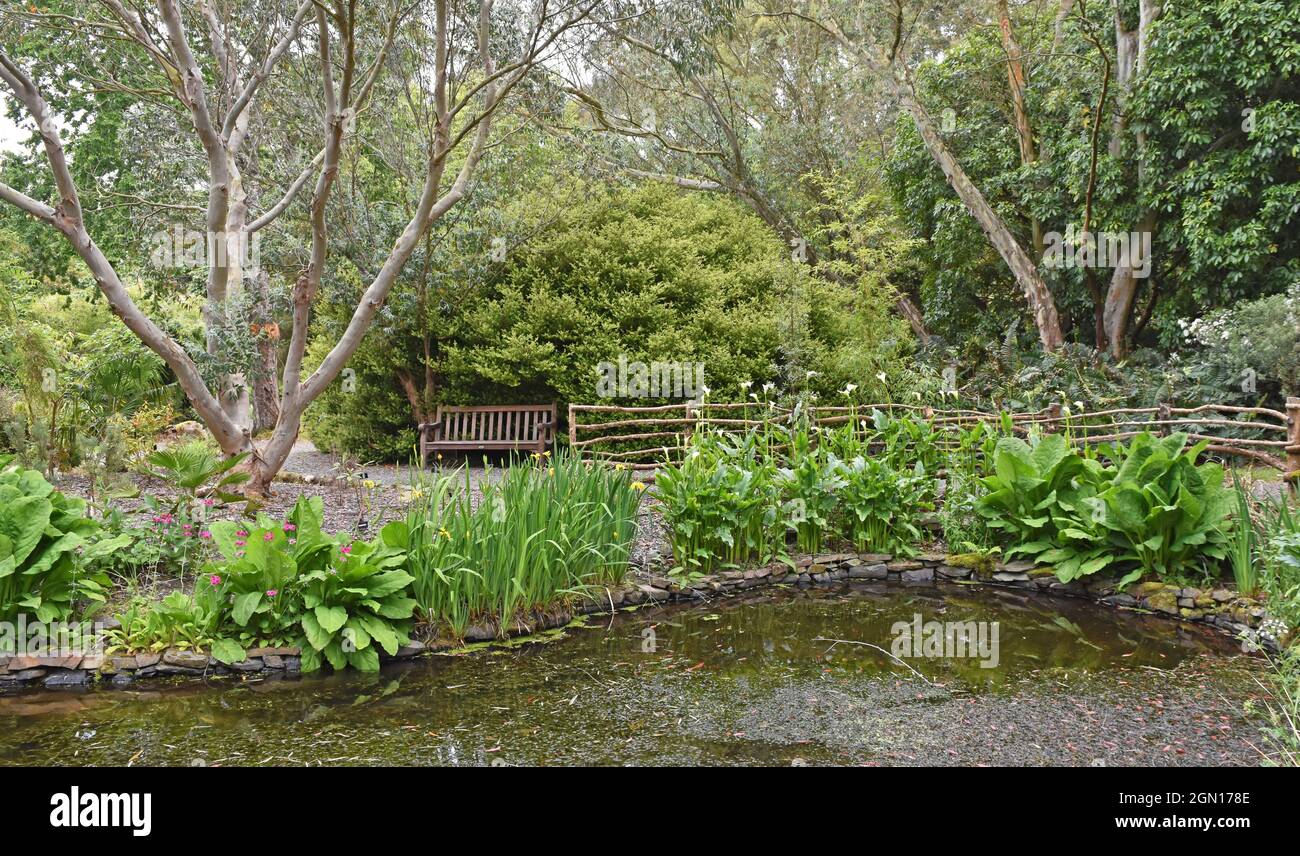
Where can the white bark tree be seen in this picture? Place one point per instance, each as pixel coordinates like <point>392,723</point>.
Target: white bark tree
<point>468,86</point>
<point>890,64</point>
<point>1130,62</point>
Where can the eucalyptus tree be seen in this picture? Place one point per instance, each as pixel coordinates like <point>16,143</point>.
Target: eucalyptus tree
<point>888,39</point>
<point>207,72</point>
<point>756,105</point>
<point>1174,122</point>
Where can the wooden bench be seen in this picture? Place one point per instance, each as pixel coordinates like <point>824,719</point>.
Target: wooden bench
<point>506,427</point>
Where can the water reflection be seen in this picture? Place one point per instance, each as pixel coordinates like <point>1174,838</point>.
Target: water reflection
<point>756,680</point>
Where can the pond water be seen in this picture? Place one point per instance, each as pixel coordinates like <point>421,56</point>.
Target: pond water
<point>742,681</point>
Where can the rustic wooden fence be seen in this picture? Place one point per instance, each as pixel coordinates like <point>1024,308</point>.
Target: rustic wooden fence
<point>645,437</point>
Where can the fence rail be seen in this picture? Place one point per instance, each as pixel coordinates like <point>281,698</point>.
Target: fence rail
<point>645,437</point>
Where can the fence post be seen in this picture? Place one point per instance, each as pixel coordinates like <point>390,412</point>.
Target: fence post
<point>1163,414</point>
<point>1293,442</point>
<point>573,429</point>
<point>1053,417</point>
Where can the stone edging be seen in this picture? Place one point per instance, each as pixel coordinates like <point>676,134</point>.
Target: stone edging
<point>1227,611</point>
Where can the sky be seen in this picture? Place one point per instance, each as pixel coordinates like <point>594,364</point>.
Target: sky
<point>9,133</point>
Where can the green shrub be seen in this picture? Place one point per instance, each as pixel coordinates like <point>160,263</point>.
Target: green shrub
<point>337,598</point>
<point>884,470</point>
<point>720,503</point>
<point>878,507</point>
<point>1162,509</point>
<point>46,543</point>
<point>808,485</point>
<point>733,498</point>
<point>285,583</point>
<point>1153,511</point>
<point>1037,495</point>
<point>1281,578</point>
<point>648,273</point>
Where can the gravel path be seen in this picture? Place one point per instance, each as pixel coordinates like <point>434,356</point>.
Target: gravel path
<point>352,507</point>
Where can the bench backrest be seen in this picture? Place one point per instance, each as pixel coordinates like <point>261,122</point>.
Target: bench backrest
<point>497,423</point>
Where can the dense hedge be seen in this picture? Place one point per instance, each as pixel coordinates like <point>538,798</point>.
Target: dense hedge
<point>648,273</point>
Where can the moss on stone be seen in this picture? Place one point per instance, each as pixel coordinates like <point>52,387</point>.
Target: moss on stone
<point>1163,601</point>
<point>981,563</point>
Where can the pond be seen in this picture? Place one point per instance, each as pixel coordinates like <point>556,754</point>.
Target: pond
<point>742,681</point>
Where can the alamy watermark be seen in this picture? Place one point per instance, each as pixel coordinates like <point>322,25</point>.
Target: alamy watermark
<point>1076,249</point>
<point>22,638</point>
<point>133,811</point>
<point>657,379</point>
<point>179,247</point>
<point>946,640</point>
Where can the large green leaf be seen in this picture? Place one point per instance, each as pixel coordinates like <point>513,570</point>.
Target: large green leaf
<point>244,607</point>
<point>23,521</point>
<point>228,651</point>
<point>317,637</point>
<point>331,618</point>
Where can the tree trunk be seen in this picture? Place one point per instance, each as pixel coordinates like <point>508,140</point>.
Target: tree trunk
<point>910,311</point>
<point>414,397</point>
<point>1024,132</point>
<point>266,388</point>
<point>1130,60</point>
<point>1041,304</point>
<point>1123,288</point>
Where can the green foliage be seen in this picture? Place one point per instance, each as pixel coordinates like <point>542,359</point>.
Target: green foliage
<point>1220,100</point>
<point>1163,509</point>
<point>1154,510</point>
<point>177,621</point>
<point>195,468</point>
<point>75,377</point>
<point>548,530</point>
<point>170,543</point>
<point>1216,106</point>
<point>878,507</point>
<point>1243,543</point>
<point>646,273</point>
<point>733,499</point>
<point>285,583</point>
<point>360,606</point>
<point>1281,578</point>
<point>964,530</point>
<point>45,541</point>
<point>339,599</point>
<point>1038,496</point>
<point>1243,354</point>
<point>721,502</point>
<point>809,484</point>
